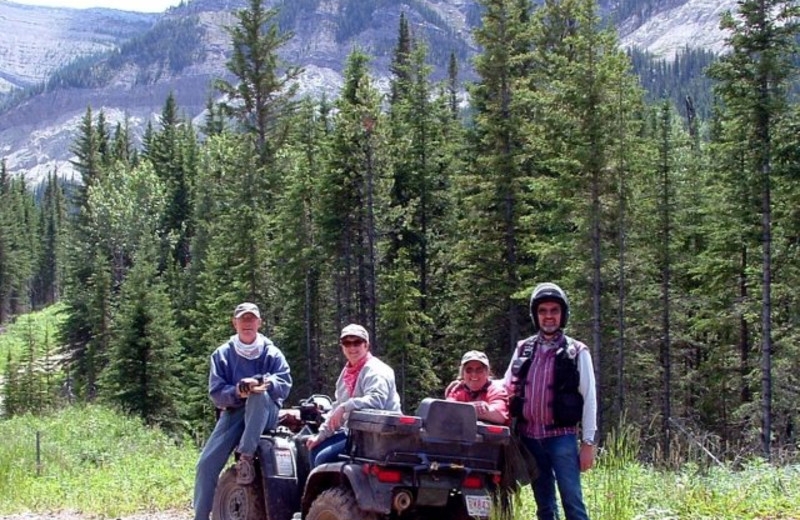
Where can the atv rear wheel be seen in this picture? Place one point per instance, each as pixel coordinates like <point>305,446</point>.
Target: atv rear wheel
<point>337,504</point>
<point>234,501</point>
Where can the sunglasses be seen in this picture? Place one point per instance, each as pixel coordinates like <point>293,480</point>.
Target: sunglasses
<point>353,343</point>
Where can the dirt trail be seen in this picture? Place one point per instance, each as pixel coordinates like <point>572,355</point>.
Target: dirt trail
<point>73,515</point>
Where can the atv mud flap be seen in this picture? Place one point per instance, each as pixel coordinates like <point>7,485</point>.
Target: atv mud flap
<point>279,475</point>
<point>370,495</point>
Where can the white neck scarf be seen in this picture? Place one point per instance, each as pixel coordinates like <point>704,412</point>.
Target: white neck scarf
<point>251,351</point>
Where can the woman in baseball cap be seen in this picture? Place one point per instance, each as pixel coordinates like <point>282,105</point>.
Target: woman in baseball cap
<point>365,382</point>
<point>488,396</point>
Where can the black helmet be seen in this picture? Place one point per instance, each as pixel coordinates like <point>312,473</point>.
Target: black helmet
<point>549,292</point>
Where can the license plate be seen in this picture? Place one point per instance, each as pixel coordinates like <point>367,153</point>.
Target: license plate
<point>478,505</point>
<point>284,466</point>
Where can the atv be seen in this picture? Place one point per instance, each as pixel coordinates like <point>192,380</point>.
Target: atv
<point>441,463</point>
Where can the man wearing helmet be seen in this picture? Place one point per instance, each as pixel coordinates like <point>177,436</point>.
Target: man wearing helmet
<point>551,383</point>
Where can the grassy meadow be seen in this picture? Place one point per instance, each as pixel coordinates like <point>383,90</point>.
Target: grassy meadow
<point>92,459</point>
<point>101,462</point>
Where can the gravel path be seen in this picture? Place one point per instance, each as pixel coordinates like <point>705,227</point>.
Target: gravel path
<point>74,515</point>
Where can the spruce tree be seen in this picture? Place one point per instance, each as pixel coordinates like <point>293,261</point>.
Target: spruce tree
<point>353,198</point>
<point>263,96</point>
<point>753,79</point>
<point>143,366</point>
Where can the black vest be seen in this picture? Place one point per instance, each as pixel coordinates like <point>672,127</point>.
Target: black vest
<point>567,400</point>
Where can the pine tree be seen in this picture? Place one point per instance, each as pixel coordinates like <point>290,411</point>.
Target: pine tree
<point>405,329</point>
<point>76,332</point>
<point>50,270</point>
<point>173,154</point>
<point>488,255</point>
<point>262,98</point>
<point>419,196</point>
<point>142,373</point>
<point>221,272</point>
<point>302,269</point>
<point>452,85</point>
<point>752,81</point>
<point>13,396</point>
<point>353,196</point>
<point>400,67</point>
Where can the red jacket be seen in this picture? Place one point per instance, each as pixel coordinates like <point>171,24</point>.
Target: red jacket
<point>493,393</point>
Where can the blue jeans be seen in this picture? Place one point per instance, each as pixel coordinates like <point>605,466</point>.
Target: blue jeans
<point>329,449</point>
<point>559,464</point>
<point>240,426</point>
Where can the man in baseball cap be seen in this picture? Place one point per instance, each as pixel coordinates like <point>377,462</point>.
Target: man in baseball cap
<point>249,380</point>
<point>246,308</point>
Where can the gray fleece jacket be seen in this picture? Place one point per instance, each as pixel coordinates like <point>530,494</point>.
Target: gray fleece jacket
<point>375,390</point>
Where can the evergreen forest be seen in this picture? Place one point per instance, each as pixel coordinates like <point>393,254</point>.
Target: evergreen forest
<point>428,216</point>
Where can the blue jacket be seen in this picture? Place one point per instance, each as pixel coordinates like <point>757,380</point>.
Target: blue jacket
<point>228,368</point>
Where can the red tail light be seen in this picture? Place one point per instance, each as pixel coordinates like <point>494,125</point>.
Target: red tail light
<point>472,482</point>
<point>495,429</point>
<point>407,419</point>
<point>390,476</point>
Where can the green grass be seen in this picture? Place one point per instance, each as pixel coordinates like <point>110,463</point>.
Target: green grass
<point>38,328</point>
<point>621,488</point>
<point>103,463</point>
<point>92,460</point>
<point>759,491</point>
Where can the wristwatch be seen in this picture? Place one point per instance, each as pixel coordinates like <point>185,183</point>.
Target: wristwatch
<point>588,442</point>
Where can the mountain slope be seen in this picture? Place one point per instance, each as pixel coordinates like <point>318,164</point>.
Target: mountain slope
<point>182,50</point>
<point>693,23</point>
<point>39,40</point>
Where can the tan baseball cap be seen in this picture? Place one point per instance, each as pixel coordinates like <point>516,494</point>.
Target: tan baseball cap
<point>246,308</point>
<point>355,330</point>
<point>475,355</point>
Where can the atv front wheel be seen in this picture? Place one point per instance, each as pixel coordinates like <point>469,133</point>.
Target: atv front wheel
<point>337,504</point>
<point>234,501</point>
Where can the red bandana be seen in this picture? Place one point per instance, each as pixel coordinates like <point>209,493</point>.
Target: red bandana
<point>351,373</point>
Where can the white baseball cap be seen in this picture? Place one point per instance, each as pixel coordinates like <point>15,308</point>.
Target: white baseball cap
<point>355,330</point>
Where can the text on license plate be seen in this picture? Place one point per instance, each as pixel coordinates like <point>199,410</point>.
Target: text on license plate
<point>283,463</point>
<point>478,505</point>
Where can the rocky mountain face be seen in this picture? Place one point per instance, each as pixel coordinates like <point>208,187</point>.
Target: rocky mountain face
<point>36,41</point>
<point>54,63</point>
<point>671,27</point>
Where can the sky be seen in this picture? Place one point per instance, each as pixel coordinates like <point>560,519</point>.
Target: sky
<point>143,6</point>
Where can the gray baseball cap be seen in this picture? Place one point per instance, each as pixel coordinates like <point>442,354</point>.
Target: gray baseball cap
<point>246,308</point>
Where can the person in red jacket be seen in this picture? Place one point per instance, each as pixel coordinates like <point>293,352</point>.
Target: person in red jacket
<point>489,397</point>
